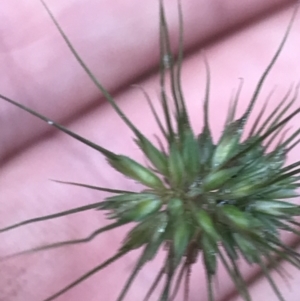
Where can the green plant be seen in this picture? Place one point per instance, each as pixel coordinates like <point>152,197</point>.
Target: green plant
<point>223,200</point>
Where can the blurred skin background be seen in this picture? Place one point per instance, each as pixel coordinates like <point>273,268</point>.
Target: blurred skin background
<point>119,42</point>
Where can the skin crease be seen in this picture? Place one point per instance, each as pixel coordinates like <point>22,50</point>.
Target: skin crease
<point>39,71</point>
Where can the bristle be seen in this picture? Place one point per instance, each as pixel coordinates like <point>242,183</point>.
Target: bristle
<point>86,276</point>
<point>65,243</point>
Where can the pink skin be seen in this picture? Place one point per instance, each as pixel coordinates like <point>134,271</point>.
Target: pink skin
<point>38,70</point>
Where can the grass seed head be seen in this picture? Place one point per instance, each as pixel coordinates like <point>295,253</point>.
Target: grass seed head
<point>223,199</point>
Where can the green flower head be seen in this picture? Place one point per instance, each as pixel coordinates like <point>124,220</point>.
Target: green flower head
<point>216,200</point>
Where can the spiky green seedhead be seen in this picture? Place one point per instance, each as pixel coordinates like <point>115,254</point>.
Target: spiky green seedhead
<point>223,200</point>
